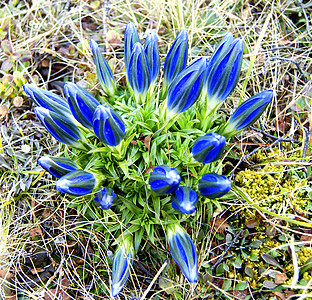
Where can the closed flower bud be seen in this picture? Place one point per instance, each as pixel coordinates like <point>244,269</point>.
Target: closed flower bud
<point>184,199</point>
<point>208,148</point>
<point>103,71</point>
<point>105,197</point>
<point>131,37</point>
<point>108,126</point>
<point>186,88</point>
<point>57,166</point>
<point>176,58</point>
<point>213,185</point>
<point>183,251</point>
<point>223,70</point>
<point>152,54</point>
<point>82,104</point>
<point>77,183</point>
<point>122,261</point>
<point>249,111</point>
<point>48,100</point>
<point>139,73</point>
<point>164,180</point>
<point>60,127</point>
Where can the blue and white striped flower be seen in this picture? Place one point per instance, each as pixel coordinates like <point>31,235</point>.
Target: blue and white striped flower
<point>103,71</point>
<point>152,54</point>
<point>184,199</point>
<point>164,180</point>
<point>213,185</point>
<point>76,183</point>
<point>183,251</point>
<point>82,104</point>
<point>131,37</point>
<point>57,166</point>
<point>209,148</point>
<point>60,127</point>
<point>108,126</point>
<point>105,197</point>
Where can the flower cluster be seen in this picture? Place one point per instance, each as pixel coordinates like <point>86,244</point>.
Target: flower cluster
<point>109,163</point>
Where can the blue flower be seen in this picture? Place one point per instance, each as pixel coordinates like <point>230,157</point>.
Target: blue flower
<point>184,199</point>
<point>60,127</point>
<point>183,251</point>
<point>82,104</point>
<point>77,183</point>
<point>57,166</point>
<point>152,54</point>
<point>186,88</point>
<point>139,73</point>
<point>103,70</point>
<point>122,261</point>
<point>176,58</point>
<point>209,148</point>
<point>108,126</point>
<point>213,185</point>
<point>131,37</point>
<point>223,70</point>
<point>48,100</point>
<point>164,180</point>
<point>249,111</point>
<point>105,197</point>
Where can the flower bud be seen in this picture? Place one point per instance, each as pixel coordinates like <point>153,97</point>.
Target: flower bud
<point>249,111</point>
<point>186,88</point>
<point>183,251</point>
<point>176,58</point>
<point>208,148</point>
<point>122,261</point>
<point>57,166</point>
<point>223,70</point>
<point>131,37</point>
<point>138,72</point>
<point>213,185</point>
<point>48,100</point>
<point>184,199</point>
<point>152,54</point>
<point>60,127</point>
<point>105,197</point>
<point>77,183</point>
<point>103,71</point>
<point>108,126</point>
<point>164,180</point>
<point>82,104</point>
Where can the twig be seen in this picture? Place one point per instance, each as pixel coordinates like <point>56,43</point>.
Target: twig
<point>306,142</point>
<point>221,258</point>
<point>306,18</point>
<point>297,64</point>
<point>282,48</point>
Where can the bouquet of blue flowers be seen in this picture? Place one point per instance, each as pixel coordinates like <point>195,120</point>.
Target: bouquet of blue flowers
<point>149,152</point>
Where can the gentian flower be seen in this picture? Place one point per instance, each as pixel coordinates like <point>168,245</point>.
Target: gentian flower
<point>152,54</point>
<point>57,166</point>
<point>208,148</point>
<point>105,197</point>
<point>82,104</point>
<point>164,180</point>
<point>138,72</point>
<point>184,199</point>
<point>213,185</point>
<point>122,261</point>
<point>60,127</point>
<point>131,37</point>
<point>183,251</point>
<point>103,71</point>
<point>186,88</point>
<point>176,58</point>
<point>108,126</point>
<point>48,100</point>
<point>249,111</point>
<point>223,70</point>
<point>77,183</point>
